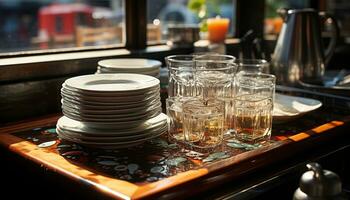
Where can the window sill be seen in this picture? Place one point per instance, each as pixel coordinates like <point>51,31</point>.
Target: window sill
<point>23,68</point>
<point>37,67</point>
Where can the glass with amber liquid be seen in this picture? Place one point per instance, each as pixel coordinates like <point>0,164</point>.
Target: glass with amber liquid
<point>203,123</point>
<point>253,106</point>
<point>174,111</point>
<point>253,117</point>
<point>214,76</point>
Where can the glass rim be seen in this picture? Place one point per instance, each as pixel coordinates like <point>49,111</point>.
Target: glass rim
<point>229,66</point>
<point>251,62</point>
<point>176,58</point>
<point>209,58</point>
<point>185,61</point>
<point>259,75</point>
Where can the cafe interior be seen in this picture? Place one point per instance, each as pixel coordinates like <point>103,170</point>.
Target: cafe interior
<point>175,99</point>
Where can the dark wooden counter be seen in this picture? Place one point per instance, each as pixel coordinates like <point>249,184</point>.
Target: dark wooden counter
<point>159,169</point>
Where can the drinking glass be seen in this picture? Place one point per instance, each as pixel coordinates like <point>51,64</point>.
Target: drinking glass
<point>214,78</point>
<point>253,105</point>
<point>203,122</point>
<point>253,66</point>
<point>181,75</point>
<point>174,112</point>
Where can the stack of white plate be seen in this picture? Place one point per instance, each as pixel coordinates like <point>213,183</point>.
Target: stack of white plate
<point>111,110</point>
<point>130,65</point>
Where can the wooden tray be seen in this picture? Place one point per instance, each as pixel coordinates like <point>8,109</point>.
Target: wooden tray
<point>161,169</point>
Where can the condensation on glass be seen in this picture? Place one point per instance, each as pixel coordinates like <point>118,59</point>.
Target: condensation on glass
<point>163,14</point>
<point>51,24</point>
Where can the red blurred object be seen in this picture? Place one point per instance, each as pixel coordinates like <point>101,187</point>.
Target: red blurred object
<point>61,20</point>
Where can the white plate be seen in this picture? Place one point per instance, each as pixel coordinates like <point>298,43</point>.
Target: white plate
<point>132,110</point>
<point>116,70</point>
<point>98,145</point>
<point>66,123</point>
<point>145,92</point>
<point>288,107</point>
<point>120,100</point>
<point>113,138</point>
<point>139,124</point>
<point>116,120</point>
<point>79,101</point>
<point>154,74</point>
<point>111,117</point>
<point>116,134</point>
<point>113,109</point>
<point>108,144</point>
<point>131,64</point>
<point>128,97</point>
<point>112,82</point>
<point>77,140</point>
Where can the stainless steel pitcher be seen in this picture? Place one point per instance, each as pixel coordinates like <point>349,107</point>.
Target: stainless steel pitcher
<point>299,53</point>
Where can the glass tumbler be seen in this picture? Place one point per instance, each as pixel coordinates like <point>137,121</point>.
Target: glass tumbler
<point>174,111</point>
<point>203,122</point>
<point>253,66</point>
<point>181,75</point>
<point>253,105</point>
<point>214,78</point>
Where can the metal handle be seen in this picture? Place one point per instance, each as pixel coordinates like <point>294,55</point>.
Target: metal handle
<point>335,35</point>
<point>316,168</point>
<point>283,13</point>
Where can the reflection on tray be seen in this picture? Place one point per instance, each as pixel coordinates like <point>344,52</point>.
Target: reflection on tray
<point>151,161</point>
<point>333,82</point>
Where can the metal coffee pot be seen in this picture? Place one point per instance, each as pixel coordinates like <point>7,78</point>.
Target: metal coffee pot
<point>299,54</point>
<point>319,184</point>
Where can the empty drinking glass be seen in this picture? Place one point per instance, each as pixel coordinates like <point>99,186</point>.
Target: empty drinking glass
<point>181,75</point>
<point>253,105</point>
<point>253,65</point>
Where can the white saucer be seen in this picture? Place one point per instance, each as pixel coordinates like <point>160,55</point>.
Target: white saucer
<point>287,107</point>
<point>130,64</point>
<point>135,125</point>
<point>145,92</point>
<point>66,123</point>
<point>116,120</point>
<point>115,83</point>
<point>114,70</point>
<point>127,97</point>
<point>113,138</point>
<point>108,144</point>
<point>83,102</point>
<point>120,100</point>
<point>111,110</point>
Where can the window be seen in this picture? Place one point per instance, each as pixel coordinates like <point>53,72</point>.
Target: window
<point>52,24</point>
<point>163,14</point>
<point>273,22</point>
